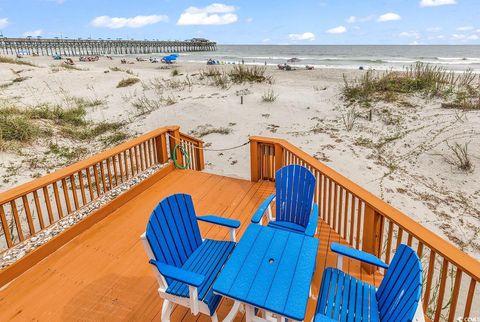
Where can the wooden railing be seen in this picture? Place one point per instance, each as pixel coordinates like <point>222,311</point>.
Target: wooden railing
<point>366,222</point>
<point>27,209</point>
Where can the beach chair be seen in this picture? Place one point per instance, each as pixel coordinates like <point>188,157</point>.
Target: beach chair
<point>294,207</point>
<point>185,264</point>
<point>345,298</point>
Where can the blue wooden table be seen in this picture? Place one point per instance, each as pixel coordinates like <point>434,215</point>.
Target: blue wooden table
<point>270,269</point>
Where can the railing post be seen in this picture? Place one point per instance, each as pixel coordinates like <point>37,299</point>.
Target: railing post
<point>161,146</point>
<point>200,157</point>
<point>175,139</point>
<point>278,157</point>
<point>371,236</point>
<point>254,164</point>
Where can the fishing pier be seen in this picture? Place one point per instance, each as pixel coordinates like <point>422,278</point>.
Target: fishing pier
<point>78,47</point>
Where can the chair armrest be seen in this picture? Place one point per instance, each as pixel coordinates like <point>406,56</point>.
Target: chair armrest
<point>179,274</point>
<point>357,254</point>
<point>257,216</point>
<point>312,222</point>
<point>226,222</point>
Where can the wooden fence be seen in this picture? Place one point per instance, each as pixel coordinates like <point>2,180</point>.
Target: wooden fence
<point>27,209</point>
<point>366,222</point>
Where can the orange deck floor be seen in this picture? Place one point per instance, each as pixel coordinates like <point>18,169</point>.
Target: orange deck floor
<point>103,273</point>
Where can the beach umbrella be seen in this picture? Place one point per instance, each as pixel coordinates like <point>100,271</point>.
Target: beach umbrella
<point>170,57</point>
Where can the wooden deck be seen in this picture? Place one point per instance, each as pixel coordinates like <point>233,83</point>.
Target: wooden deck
<point>103,273</point>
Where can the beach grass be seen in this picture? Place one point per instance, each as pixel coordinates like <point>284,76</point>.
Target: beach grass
<point>118,69</point>
<point>14,127</point>
<point>424,79</point>
<point>239,74</point>
<point>269,96</point>
<point>221,80</point>
<point>145,105</point>
<point>460,157</point>
<point>204,130</point>
<point>70,67</point>
<point>254,74</point>
<point>8,60</point>
<point>66,152</point>
<point>128,82</point>
<point>24,125</point>
<point>210,72</point>
<point>20,79</point>
<point>115,138</point>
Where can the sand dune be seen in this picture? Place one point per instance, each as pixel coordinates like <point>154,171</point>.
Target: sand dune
<point>400,155</point>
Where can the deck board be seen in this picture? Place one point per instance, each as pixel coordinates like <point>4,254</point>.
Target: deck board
<point>103,273</point>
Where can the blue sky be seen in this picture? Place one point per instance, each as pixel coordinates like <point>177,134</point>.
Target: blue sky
<point>248,21</point>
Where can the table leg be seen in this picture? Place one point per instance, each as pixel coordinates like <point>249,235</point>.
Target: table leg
<point>233,312</point>
<point>249,313</point>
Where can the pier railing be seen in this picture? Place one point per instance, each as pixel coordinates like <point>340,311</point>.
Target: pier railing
<point>368,223</point>
<point>27,209</point>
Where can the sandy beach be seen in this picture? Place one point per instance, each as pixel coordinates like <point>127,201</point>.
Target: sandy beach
<point>402,154</point>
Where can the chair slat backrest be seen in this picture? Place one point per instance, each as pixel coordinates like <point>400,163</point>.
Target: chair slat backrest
<point>295,185</point>
<point>399,293</point>
<point>172,230</point>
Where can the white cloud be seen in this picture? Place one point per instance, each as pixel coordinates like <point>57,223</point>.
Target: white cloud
<point>214,14</point>
<point>436,3</point>
<point>464,37</point>
<point>337,30</point>
<point>355,19</point>
<point>413,43</point>
<point>134,22</point>
<point>249,20</point>
<point>465,28</point>
<point>266,40</point>
<point>459,36</point>
<point>3,22</point>
<point>410,34</point>
<point>305,36</point>
<point>34,33</point>
<point>434,29</point>
<point>389,16</point>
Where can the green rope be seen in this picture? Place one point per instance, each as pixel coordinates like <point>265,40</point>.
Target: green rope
<point>184,152</point>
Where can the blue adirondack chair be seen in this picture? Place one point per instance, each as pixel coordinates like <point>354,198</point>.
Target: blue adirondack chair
<point>294,207</point>
<point>186,265</point>
<point>345,298</point>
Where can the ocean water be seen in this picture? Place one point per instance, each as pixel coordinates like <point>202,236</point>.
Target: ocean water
<point>456,58</point>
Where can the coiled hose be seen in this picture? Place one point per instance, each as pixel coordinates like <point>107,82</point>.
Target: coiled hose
<point>182,151</point>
